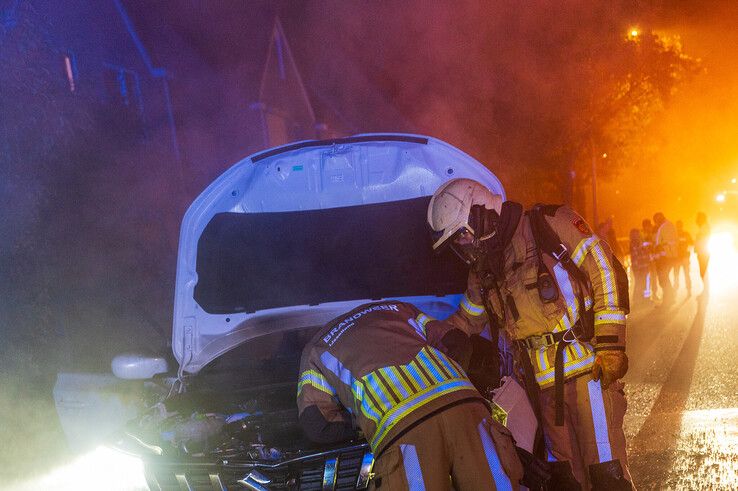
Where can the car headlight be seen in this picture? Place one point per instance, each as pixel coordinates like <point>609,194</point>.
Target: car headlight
<point>103,468</point>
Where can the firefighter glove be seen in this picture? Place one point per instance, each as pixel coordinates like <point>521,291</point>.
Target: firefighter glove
<point>458,346</point>
<point>536,472</point>
<point>609,366</point>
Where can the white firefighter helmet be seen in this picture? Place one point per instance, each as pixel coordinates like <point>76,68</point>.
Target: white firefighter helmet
<point>451,205</point>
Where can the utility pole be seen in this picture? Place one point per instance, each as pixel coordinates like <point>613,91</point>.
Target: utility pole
<point>595,220</point>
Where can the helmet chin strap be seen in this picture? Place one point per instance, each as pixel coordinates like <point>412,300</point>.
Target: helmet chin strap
<point>478,249</point>
<point>488,236</point>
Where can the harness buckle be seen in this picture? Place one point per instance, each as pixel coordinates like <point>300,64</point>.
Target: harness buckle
<point>542,341</point>
<point>564,252</point>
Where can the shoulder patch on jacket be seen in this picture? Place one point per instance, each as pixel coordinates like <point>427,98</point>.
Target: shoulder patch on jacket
<point>582,226</point>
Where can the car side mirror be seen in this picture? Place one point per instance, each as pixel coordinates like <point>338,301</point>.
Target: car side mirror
<point>135,366</point>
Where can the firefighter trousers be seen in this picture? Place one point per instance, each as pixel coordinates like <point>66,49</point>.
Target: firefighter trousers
<point>593,427</point>
<point>460,446</point>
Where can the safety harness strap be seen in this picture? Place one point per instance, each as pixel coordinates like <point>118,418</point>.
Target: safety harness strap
<point>545,340</point>
<point>559,382</point>
<point>549,242</point>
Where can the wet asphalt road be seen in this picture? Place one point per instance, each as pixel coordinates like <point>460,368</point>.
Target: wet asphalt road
<point>682,387</point>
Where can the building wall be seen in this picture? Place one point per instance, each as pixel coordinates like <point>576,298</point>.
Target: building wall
<point>90,185</point>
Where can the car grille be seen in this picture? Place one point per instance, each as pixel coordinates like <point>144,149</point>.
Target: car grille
<point>339,470</point>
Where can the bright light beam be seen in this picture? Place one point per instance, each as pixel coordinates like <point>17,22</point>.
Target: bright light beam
<point>103,468</point>
<point>723,273</point>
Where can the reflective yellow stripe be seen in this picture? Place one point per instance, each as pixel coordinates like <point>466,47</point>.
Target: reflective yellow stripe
<point>423,320</point>
<point>315,379</point>
<point>397,378</point>
<point>610,317</point>
<point>374,386</point>
<point>542,359</point>
<point>357,389</point>
<point>408,383</point>
<point>370,410</point>
<point>581,250</point>
<point>424,360</point>
<point>470,307</point>
<point>397,413</point>
<point>416,376</point>
<point>604,268</point>
<point>574,354</point>
<point>607,276</point>
<point>573,366</point>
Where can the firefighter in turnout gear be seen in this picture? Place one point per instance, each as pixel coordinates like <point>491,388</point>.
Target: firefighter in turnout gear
<point>562,297</point>
<point>395,373</point>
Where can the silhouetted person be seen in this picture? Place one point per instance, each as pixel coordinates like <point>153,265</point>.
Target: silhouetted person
<point>640,263</point>
<point>665,250</point>
<point>701,244</point>
<point>606,230</point>
<point>652,284</point>
<point>684,243</point>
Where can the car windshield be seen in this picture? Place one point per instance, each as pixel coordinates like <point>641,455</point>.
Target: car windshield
<point>253,261</point>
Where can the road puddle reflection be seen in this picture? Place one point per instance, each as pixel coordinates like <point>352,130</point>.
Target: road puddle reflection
<point>707,451</point>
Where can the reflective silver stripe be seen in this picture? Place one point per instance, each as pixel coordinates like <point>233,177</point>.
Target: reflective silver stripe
<point>550,373</point>
<point>542,361</point>
<point>317,380</point>
<point>255,481</point>
<point>599,418</point>
<point>336,367</point>
<point>578,348</point>
<point>564,282</point>
<point>216,483</point>
<point>423,320</point>
<point>471,307</point>
<point>413,473</point>
<point>613,317</point>
<point>420,329</point>
<point>502,482</point>
<point>608,279</point>
<point>330,473</point>
<point>184,485</point>
<point>365,471</point>
<point>580,251</point>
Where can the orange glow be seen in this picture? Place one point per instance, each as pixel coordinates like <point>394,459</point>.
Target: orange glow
<point>720,198</point>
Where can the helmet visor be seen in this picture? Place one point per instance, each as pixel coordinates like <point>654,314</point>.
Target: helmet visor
<point>460,242</point>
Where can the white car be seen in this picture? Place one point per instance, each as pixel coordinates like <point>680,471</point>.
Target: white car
<point>278,245</point>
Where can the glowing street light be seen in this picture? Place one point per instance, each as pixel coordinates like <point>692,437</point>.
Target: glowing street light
<point>634,33</point>
<point>720,198</point>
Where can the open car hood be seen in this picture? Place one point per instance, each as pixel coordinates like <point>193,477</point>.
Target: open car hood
<point>293,236</point>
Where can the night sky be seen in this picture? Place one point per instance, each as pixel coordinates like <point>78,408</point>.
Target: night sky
<point>497,79</point>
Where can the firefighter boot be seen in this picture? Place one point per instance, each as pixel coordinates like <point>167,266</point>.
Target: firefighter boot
<point>562,477</point>
<point>608,476</point>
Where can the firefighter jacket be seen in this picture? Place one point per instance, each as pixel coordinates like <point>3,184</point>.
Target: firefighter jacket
<point>380,367</point>
<point>667,241</point>
<point>525,315</point>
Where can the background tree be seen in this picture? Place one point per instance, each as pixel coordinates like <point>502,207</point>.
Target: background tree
<point>624,93</point>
